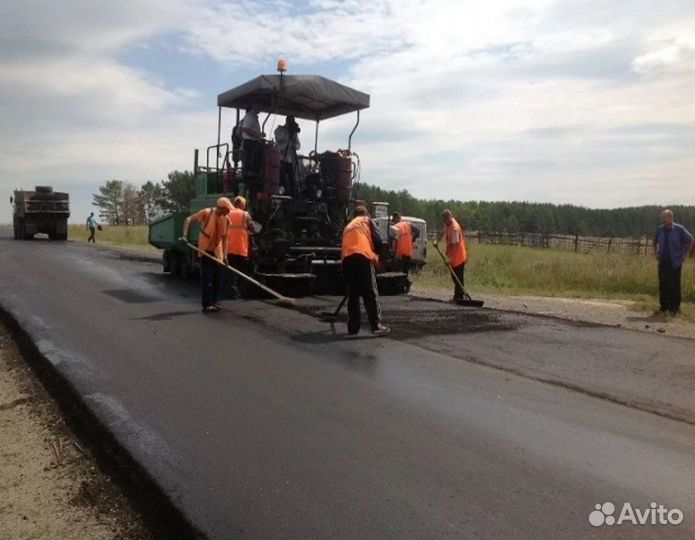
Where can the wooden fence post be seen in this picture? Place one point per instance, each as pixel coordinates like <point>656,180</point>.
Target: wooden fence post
<point>610,241</point>
<point>576,242</point>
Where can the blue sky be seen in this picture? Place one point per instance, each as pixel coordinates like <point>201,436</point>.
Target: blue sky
<point>588,102</point>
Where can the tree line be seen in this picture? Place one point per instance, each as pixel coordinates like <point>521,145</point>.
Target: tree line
<point>123,203</point>
<point>518,217</point>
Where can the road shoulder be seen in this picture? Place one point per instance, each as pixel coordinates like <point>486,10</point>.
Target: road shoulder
<point>50,485</point>
<point>614,313</point>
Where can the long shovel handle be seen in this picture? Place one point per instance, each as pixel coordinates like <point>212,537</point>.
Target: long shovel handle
<point>242,275</point>
<point>453,274</point>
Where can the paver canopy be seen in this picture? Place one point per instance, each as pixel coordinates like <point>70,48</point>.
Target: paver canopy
<point>310,97</point>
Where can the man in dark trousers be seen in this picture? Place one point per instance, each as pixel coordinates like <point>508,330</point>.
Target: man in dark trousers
<point>361,243</point>
<point>238,244</point>
<point>214,226</point>
<point>404,236</point>
<point>456,254</point>
<point>249,129</point>
<point>672,245</point>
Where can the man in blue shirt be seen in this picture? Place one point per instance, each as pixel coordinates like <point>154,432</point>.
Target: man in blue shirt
<point>672,245</point>
<point>91,227</point>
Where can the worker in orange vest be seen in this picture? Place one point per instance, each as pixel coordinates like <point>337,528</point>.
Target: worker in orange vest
<point>238,241</point>
<point>404,236</point>
<point>456,254</point>
<point>361,244</point>
<point>213,241</point>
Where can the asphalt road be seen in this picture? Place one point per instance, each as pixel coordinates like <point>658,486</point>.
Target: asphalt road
<point>261,422</point>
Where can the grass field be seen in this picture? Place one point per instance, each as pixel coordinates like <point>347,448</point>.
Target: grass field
<point>512,270</point>
<point>518,270</point>
<point>132,237</point>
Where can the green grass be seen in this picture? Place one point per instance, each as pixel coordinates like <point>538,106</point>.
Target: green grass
<point>133,237</point>
<point>516,270</point>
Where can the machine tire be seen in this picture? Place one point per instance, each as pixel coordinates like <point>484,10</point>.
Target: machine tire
<point>185,268</point>
<point>166,261</point>
<point>175,265</point>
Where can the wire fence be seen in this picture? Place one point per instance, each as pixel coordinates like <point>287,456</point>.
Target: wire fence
<point>579,244</point>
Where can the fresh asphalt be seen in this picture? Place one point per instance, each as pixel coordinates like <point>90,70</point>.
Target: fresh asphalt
<point>263,422</point>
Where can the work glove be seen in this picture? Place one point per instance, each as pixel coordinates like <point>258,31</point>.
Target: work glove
<point>183,238</point>
<point>435,243</point>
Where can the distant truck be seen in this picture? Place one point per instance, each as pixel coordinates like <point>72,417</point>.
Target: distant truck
<point>40,211</point>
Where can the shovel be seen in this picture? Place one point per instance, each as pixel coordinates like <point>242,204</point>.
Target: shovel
<point>283,301</point>
<point>467,300</point>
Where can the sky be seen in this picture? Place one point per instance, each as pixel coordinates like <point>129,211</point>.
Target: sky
<point>589,103</point>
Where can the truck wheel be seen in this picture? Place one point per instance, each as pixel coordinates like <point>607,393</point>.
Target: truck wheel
<point>185,268</point>
<point>166,258</point>
<point>175,265</point>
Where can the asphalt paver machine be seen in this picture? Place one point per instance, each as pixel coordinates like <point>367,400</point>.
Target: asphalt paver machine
<point>296,249</point>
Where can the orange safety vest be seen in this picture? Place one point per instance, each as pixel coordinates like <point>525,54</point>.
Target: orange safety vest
<point>238,235</point>
<point>404,241</point>
<point>456,252</point>
<point>357,239</point>
<point>212,230</point>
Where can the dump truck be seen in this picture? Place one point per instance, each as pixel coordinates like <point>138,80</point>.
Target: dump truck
<point>298,244</point>
<point>40,211</point>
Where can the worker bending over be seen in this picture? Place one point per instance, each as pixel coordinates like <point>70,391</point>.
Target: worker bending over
<point>361,243</point>
<point>404,236</point>
<point>456,254</point>
<point>213,241</point>
<point>238,238</point>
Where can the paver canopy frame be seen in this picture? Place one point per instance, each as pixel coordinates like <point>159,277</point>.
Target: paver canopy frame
<point>310,97</point>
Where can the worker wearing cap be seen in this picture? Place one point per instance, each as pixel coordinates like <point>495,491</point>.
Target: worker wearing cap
<point>361,243</point>
<point>404,236</point>
<point>213,241</point>
<point>456,254</point>
<point>238,240</point>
